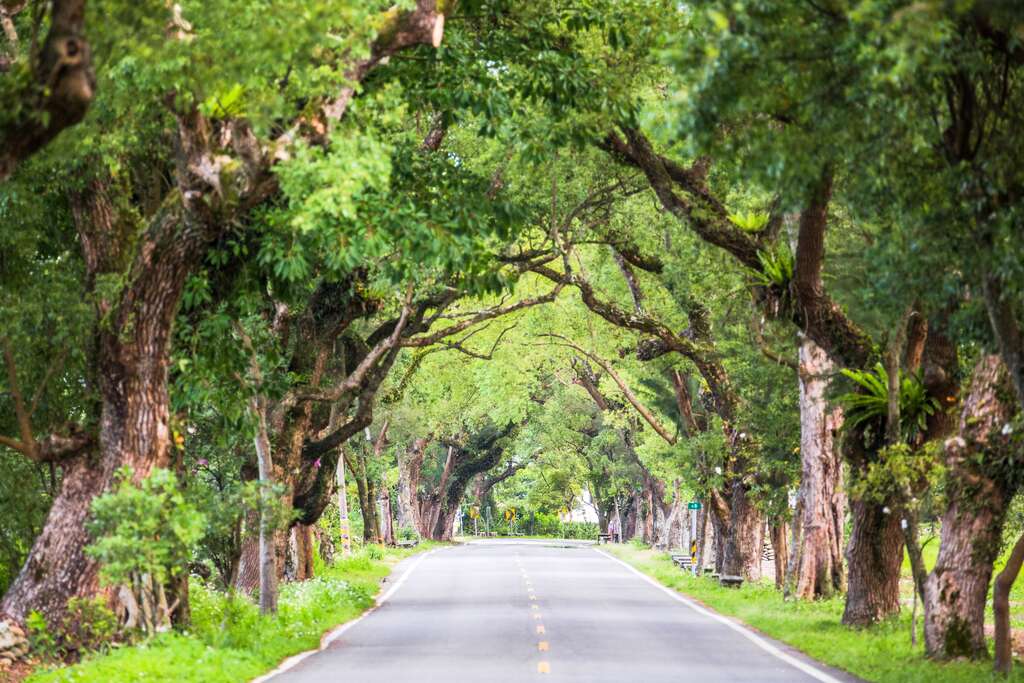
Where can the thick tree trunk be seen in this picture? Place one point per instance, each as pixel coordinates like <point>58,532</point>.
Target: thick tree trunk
<point>781,550</point>
<point>410,465</point>
<point>979,488</point>
<point>703,536</point>
<point>875,555</point>
<point>818,567</point>
<point>670,535</point>
<point>630,521</point>
<point>57,568</point>
<point>744,537</point>
<point>301,551</point>
<point>132,357</point>
<point>387,529</point>
<point>718,543</point>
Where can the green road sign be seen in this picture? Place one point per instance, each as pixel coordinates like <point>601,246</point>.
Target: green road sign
<point>693,506</point>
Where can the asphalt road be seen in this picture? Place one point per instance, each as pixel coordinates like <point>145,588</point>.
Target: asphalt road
<point>524,611</point>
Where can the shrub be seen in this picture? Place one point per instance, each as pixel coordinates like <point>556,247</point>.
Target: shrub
<point>144,535</point>
<point>88,625</point>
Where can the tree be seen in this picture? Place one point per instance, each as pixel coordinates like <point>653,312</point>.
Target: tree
<point>136,274</point>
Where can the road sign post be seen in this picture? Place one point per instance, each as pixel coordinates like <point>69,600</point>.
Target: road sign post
<point>694,508</point>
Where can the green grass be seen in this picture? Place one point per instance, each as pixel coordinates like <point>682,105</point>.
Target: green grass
<point>881,653</point>
<point>229,642</point>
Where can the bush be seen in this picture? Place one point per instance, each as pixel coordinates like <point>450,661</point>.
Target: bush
<point>144,535</point>
<point>88,625</point>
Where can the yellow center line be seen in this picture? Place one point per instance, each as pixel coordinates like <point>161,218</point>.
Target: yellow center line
<point>540,629</point>
<point>536,615</point>
<point>543,668</point>
<point>534,606</point>
<point>542,646</point>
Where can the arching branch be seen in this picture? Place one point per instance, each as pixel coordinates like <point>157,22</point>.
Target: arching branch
<point>621,383</point>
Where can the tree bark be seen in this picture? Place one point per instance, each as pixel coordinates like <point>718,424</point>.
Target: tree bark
<point>344,526</point>
<point>874,555</point>
<point>132,347</point>
<point>267,567</point>
<point>781,550</point>
<point>410,466</point>
<point>979,486</point>
<point>818,569</point>
<point>1001,607</point>
<point>59,92</point>
<point>744,536</point>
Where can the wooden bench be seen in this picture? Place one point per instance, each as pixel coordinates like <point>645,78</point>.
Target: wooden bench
<point>604,538</point>
<point>411,543</point>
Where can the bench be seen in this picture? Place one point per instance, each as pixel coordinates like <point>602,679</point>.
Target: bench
<point>604,538</point>
<point>683,561</point>
<point>411,543</point>
<point>729,581</point>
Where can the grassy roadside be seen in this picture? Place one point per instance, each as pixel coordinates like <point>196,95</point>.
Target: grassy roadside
<point>882,653</point>
<point>229,642</point>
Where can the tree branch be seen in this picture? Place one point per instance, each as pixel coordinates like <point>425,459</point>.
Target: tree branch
<point>430,339</point>
<point>626,391</point>
<point>59,92</point>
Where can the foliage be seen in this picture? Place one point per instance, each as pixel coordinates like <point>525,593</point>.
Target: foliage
<point>870,405</point>
<point>901,472</point>
<point>144,537</point>
<point>88,626</point>
<point>776,268</point>
<point>145,528</point>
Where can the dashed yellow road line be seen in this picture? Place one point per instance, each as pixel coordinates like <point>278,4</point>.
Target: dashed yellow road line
<point>543,668</point>
<point>540,629</point>
<point>542,646</point>
<point>536,615</point>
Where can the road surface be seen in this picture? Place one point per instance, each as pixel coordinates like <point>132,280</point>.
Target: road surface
<point>514,611</point>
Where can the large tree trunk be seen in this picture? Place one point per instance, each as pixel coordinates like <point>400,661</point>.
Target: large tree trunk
<point>875,556</point>
<point>818,565</point>
<point>979,487</point>
<point>132,355</point>
<point>387,528</point>
<point>744,536</point>
<point>670,534</point>
<point>410,465</point>
<point>781,550</point>
<point>300,551</point>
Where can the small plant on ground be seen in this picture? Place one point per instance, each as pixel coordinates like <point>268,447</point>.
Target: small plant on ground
<point>87,626</point>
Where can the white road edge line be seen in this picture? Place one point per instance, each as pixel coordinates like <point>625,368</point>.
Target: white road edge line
<point>811,671</point>
<point>339,631</point>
